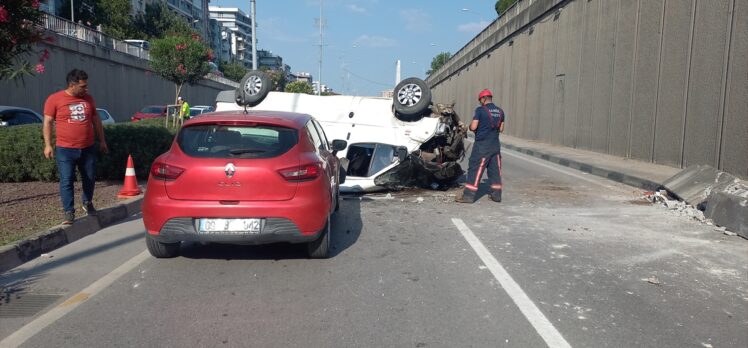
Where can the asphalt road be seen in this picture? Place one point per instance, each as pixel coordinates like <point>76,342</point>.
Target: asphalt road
<point>567,259</point>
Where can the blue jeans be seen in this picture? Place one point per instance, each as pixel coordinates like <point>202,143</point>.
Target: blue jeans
<point>67,160</point>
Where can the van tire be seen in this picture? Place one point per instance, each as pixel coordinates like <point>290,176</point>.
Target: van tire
<point>411,97</point>
<point>253,88</point>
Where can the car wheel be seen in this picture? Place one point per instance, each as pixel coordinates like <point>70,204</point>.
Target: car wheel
<point>161,250</point>
<point>253,88</point>
<point>319,248</point>
<point>411,97</point>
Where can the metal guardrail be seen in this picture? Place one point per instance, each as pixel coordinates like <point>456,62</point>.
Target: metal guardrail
<point>83,33</point>
<point>80,32</point>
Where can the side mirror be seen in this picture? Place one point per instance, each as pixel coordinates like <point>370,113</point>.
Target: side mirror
<point>402,153</point>
<point>338,145</point>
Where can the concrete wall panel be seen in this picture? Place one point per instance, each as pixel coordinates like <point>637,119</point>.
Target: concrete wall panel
<point>548,78</point>
<point>534,75</point>
<point>118,82</point>
<point>657,80</point>
<point>623,74</point>
<point>575,11</point>
<point>604,57</point>
<point>671,103</point>
<point>587,75</point>
<point>706,83</point>
<point>734,155</point>
<point>645,79</point>
<point>562,35</point>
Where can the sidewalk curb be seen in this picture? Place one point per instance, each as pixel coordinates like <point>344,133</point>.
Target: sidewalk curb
<point>609,174</point>
<point>18,253</point>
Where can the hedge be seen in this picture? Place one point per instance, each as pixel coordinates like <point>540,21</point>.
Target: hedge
<point>22,151</point>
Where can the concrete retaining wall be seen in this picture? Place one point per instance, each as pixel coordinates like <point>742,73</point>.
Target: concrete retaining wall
<point>664,81</point>
<point>119,82</point>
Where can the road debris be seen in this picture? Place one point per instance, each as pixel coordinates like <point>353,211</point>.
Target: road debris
<point>653,280</point>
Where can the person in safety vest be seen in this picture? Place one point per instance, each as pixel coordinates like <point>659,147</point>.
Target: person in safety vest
<point>184,108</point>
<point>487,123</point>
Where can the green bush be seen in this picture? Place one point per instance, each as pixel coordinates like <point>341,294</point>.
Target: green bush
<point>22,151</point>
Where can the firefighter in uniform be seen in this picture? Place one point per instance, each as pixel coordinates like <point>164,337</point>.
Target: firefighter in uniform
<point>487,123</point>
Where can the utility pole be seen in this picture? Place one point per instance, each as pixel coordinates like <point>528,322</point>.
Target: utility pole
<point>72,12</point>
<point>254,37</point>
<point>319,77</point>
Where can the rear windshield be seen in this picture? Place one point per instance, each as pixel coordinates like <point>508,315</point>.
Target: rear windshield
<point>218,141</point>
<point>152,110</point>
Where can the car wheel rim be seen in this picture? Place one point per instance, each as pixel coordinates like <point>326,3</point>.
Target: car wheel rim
<point>409,95</point>
<point>253,85</point>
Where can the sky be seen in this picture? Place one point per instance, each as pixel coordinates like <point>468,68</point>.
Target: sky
<point>363,39</point>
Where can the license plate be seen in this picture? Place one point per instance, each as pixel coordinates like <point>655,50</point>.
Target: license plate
<point>230,225</point>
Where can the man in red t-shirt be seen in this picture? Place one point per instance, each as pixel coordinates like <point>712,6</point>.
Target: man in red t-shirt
<point>73,113</point>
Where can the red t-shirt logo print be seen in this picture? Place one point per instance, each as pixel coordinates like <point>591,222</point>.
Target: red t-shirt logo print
<point>77,112</point>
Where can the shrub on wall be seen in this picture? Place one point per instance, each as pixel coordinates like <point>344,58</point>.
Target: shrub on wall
<point>21,151</point>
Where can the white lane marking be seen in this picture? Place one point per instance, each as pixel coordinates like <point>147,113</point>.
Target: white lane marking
<point>558,168</point>
<point>46,319</point>
<point>542,325</point>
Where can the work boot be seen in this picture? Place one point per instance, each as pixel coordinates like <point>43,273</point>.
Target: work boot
<point>463,198</point>
<point>69,217</point>
<point>496,197</point>
<point>88,207</point>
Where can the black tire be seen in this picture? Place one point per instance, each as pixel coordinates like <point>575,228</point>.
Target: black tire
<point>161,250</point>
<point>253,88</point>
<point>411,97</point>
<point>337,200</point>
<point>320,248</point>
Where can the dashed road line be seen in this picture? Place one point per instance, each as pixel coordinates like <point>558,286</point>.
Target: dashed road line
<point>542,325</point>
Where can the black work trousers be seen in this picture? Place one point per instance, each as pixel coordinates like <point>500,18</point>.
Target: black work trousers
<point>485,157</point>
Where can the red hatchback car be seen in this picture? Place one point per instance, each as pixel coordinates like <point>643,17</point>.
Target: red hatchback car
<point>151,111</point>
<point>236,178</point>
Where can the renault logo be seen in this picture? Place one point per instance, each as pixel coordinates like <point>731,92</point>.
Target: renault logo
<point>229,170</point>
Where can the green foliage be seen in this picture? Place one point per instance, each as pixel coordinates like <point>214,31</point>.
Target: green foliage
<point>158,21</point>
<point>114,17</point>
<point>502,5</point>
<point>22,148</point>
<point>438,61</point>
<point>299,87</point>
<point>277,77</point>
<point>180,60</point>
<point>233,71</point>
<point>19,32</point>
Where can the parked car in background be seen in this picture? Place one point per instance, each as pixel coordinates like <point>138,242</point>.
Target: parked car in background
<point>151,111</point>
<point>16,116</point>
<point>197,110</point>
<point>207,108</point>
<point>254,178</point>
<point>105,116</point>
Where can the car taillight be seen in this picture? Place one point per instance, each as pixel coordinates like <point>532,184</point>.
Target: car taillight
<point>303,172</point>
<point>164,171</point>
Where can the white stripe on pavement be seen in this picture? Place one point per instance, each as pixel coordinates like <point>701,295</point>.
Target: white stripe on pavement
<point>557,167</point>
<point>46,319</point>
<point>542,325</point>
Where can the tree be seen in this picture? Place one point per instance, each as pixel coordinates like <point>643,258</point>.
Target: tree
<point>277,77</point>
<point>439,61</point>
<point>180,59</point>
<point>113,15</point>
<point>502,5</point>
<point>158,21</point>
<point>20,30</point>
<point>233,70</point>
<point>299,87</point>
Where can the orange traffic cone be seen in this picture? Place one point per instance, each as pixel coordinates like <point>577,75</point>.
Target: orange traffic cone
<point>131,187</point>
